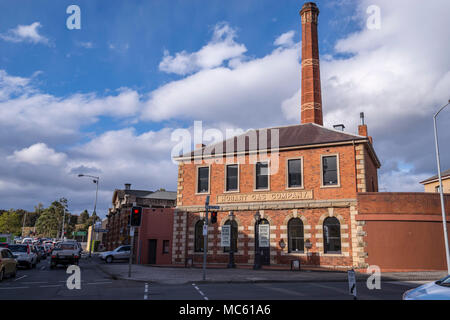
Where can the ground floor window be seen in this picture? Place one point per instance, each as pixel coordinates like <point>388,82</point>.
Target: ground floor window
<point>331,235</point>
<point>199,241</point>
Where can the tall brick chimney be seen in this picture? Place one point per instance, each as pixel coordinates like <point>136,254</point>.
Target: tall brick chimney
<point>311,101</point>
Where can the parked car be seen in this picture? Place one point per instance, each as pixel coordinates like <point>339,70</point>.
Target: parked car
<point>8,264</point>
<point>24,254</point>
<point>120,253</point>
<point>4,245</point>
<point>27,240</point>
<point>436,290</point>
<point>64,253</point>
<point>42,252</point>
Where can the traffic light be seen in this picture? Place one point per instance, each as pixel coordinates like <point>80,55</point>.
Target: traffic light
<point>213,217</point>
<point>135,217</point>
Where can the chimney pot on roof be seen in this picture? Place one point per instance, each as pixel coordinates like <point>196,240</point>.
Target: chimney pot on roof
<point>339,127</point>
<point>127,186</point>
<point>199,146</point>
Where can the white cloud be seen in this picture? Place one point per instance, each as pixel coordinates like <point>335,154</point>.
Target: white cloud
<point>25,33</point>
<point>38,154</point>
<point>222,47</point>
<point>286,39</point>
<point>85,44</point>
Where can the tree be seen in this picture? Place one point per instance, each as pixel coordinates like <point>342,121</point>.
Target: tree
<point>84,216</point>
<point>10,222</point>
<point>50,221</point>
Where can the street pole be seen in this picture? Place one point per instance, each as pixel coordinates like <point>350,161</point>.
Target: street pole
<point>94,214</point>
<point>205,237</point>
<point>441,191</point>
<point>64,220</point>
<point>23,224</point>
<point>131,251</point>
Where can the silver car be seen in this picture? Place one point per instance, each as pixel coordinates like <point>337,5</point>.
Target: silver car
<point>120,253</point>
<point>436,290</point>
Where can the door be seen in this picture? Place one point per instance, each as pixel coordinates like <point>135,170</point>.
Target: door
<point>263,251</point>
<point>152,251</point>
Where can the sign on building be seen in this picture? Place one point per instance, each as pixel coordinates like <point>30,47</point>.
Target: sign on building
<point>225,236</point>
<point>264,235</point>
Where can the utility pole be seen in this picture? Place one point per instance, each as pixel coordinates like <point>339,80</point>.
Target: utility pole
<point>441,191</point>
<point>205,233</point>
<point>64,219</point>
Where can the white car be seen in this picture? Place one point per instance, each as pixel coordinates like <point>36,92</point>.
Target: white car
<point>436,290</point>
<point>25,255</point>
<point>27,240</point>
<point>119,253</point>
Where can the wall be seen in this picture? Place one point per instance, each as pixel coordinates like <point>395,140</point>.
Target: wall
<point>311,176</point>
<point>157,223</point>
<point>431,187</point>
<point>403,231</point>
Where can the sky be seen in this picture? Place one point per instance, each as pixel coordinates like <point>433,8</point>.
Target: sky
<point>105,99</point>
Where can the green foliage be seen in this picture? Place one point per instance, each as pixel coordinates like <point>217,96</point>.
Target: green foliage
<point>10,222</point>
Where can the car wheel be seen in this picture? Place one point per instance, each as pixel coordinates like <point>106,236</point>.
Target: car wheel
<point>14,273</point>
<point>34,265</point>
<point>2,274</point>
<point>109,259</point>
<point>30,265</point>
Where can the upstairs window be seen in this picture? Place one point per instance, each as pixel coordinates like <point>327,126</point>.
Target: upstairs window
<point>203,180</point>
<point>329,171</point>
<point>262,175</point>
<point>295,173</point>
<point>232,177</point>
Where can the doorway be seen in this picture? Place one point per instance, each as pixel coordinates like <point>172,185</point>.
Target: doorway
<point>264,251</point>
<point>152,244</point>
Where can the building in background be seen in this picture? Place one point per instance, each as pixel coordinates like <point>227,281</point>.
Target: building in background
<point>160,202</point>
<point>432,184</point>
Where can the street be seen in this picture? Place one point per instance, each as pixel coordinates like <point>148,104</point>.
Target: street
<point>42,284</point>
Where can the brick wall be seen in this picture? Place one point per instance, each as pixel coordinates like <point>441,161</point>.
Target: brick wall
<point>402,231</point>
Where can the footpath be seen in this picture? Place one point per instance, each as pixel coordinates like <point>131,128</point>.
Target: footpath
<point>176,275</point>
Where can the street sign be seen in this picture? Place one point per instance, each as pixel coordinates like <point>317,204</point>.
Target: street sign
<point>132,231</point>
<point>352,283</point>
<point>225,236</point>
<point>79,233</point>
<point>101,230</point>
<point>212,207</point>
<point>205,230</point>
<point>264,235</point>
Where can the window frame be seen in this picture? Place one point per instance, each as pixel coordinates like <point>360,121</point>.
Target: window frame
<point>197,169</point>
<point>340,238</point>
<point>301,174</point>
<point>289,237</point>
<point>338,185</point>
<point>164,247</point>
<point>226,175</point>
<point>255,177</point>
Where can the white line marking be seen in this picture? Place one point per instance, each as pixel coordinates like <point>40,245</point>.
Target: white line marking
<point>146,291</point>
<point>206,298</point>
<point>199,291</point>
<point>145,297</point>
<point>14,288</point>
<point>20,278</point>
<point>33,282</point>
<point>50,286</point>
<point>43,267</point>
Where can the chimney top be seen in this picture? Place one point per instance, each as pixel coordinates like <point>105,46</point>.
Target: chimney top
<point>127,186</point>
<point>311,95</point>
<point>361,115</point>
<point>340,127</point>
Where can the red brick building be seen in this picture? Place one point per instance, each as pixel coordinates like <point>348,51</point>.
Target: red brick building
<point>299,192</point>
<point>301,179</point>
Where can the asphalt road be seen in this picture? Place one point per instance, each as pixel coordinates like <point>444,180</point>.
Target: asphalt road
<point>44,283</point>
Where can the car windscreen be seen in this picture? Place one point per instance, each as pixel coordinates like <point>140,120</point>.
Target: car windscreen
<point>66,246</point>
<point>444,282</point>
<point>17,248</point>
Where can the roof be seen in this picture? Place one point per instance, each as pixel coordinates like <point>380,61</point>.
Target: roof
<point>444,174</point>
<point>309,134</point>
<point>145,194</point>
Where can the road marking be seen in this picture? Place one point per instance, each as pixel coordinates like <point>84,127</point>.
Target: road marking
<point>199,291</point>
<point>34,282</point>
<point>50,286</point>
<point>99,282</point>
<point>20,278</point>
<point>14,288</point>
<point>43,267</point>
<point>146,291</point>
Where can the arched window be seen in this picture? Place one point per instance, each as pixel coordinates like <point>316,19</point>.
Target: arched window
<point>331,235</point>
<point>295,235</point>
<point>199,241</point>
<point>234,236</point>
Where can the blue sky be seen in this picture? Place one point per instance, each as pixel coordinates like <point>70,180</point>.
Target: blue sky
<point>90,98</point>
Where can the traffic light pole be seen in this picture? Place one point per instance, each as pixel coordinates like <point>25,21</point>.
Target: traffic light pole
<point>131,251</point>
<point>205,237</point>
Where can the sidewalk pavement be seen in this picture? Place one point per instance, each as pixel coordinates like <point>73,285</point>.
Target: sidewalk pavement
<point>174,275</point>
